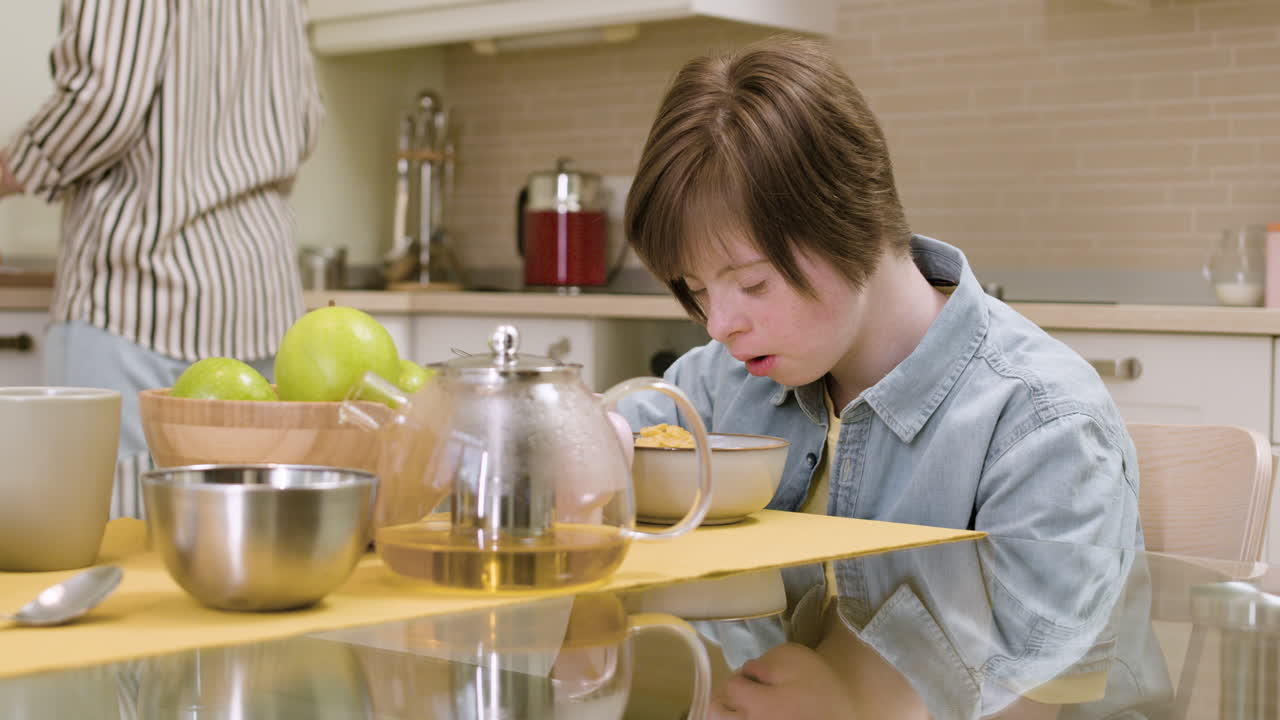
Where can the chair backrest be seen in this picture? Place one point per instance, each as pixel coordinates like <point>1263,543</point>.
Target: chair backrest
<point>1205,489</point>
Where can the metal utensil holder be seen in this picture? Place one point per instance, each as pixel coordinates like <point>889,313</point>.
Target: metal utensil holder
<point>420,249</point>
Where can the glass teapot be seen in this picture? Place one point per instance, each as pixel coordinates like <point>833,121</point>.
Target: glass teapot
<point>535,473</point>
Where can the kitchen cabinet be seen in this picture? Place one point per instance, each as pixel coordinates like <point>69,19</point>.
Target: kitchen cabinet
<point>1188,378</point>
<point>401,329</point>
<point>1275,398</point>
<point>1271,546</point>
<point>1194,379</point>
<point>342,27</point>
<point>21,340</point>
<point>609,350</point>
<point>594,344</point>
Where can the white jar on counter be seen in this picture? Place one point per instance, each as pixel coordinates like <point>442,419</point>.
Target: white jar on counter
<point>1236,266</point>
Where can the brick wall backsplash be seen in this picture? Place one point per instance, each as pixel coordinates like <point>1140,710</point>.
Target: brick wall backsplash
<point>1032,133</point>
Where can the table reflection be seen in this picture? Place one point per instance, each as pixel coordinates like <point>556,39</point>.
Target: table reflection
<point>999,628</point>
<point>563,657</point>
<point>297,677</point>
<point>980,629</point>
<point>989,628</point>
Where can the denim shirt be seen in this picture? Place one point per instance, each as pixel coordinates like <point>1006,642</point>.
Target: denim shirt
<point>989,424</point>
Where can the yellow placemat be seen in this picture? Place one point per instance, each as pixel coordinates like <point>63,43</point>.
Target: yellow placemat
<point>149,614</point>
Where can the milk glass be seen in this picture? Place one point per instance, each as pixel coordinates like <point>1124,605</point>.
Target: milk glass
<point>1236,266</point>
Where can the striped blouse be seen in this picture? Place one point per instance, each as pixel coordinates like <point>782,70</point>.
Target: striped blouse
<point>173,137</point>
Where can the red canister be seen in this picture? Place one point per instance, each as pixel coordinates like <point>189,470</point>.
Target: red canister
<point>561,229</point>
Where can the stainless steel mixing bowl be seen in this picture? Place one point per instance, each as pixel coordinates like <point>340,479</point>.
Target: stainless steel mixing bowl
<point>259,537</point>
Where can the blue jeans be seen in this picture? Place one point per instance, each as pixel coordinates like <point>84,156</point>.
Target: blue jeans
<point>80,355</point>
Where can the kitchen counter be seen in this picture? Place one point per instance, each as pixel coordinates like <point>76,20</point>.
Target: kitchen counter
<point>1210,319</point>
<point>540,304</point>
<point>25,298</point>
<point>1063,316</point>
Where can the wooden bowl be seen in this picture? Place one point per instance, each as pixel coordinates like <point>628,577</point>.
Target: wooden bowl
<point>186,431</point>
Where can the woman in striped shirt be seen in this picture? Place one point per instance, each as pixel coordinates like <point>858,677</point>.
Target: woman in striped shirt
<point>172,138</point>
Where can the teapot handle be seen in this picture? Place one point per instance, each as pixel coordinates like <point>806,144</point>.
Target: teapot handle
<point>701,704</point>
<point>701,449</point>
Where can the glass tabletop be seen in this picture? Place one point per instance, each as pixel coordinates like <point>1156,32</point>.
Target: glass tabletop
<point>994,627</point>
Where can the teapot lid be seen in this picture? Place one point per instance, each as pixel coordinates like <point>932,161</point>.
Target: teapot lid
<point>504,358</point>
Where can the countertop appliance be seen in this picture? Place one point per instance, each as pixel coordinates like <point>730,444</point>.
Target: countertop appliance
<point>561,224</point>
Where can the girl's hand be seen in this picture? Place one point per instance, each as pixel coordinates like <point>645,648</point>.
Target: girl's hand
<point>790,681</point>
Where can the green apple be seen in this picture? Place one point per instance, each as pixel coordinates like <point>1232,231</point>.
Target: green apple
<point>413,376</point>
<point>324,354</point>
<point>222,378</point>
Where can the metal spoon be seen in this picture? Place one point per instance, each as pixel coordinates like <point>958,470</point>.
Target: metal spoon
<point>70,598</point>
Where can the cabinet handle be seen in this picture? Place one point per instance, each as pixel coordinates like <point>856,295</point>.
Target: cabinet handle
<point>1129,368</point>
<point>21,342</point>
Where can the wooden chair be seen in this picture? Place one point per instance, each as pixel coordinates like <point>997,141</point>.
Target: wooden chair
<point>1204,492</point>
<point>1204,489</point>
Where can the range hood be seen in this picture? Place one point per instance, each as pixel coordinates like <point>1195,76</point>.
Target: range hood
<point>341,27</point>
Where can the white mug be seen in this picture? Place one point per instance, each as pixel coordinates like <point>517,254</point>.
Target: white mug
<point>58,446</point>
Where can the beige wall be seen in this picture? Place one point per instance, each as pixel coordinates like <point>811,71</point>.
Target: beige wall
<point>28,226</point>
<point>1032,133</point>
<point>344,191</point>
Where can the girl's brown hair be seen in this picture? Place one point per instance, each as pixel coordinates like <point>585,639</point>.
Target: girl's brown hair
<point>773,141</point>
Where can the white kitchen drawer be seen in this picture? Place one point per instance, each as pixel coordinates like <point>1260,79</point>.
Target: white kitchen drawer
<point>569,340</point>
<point>18,328</point>
<point>1275,394</point>
<point>437,336</point>
<point>1186,378</point>
<point>609,350</point>
<point>401,329</point>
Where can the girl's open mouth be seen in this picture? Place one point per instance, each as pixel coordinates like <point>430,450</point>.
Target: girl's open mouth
<point>762,365</point>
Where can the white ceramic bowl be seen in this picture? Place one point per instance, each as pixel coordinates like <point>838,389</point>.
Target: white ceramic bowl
<point>739,596</point>
<point>745,472</point>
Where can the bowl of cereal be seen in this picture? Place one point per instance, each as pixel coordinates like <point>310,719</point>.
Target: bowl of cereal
<point>745,472</point>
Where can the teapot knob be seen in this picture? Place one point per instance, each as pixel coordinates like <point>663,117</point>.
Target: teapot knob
<point>504,342</point>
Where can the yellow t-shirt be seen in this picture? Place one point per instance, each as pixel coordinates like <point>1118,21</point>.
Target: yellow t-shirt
<point>815,503</point>
<point>820,488</point>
